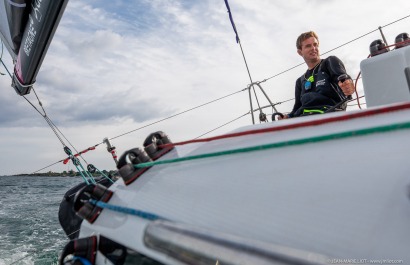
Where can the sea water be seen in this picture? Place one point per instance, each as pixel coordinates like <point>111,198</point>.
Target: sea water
<point>29,229</point>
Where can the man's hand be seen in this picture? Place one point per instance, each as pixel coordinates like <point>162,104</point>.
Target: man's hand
<point>285,116</point>
<point>347,86</point>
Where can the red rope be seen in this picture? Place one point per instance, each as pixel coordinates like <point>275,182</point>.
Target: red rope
<point>399,43</point>
<point>355,90</point>
<point>65,161</point>
<point>364,113</point>
<point>355,86</point>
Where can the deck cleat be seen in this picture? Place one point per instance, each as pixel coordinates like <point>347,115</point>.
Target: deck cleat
<point>126,163</point>
<point>157,144</point>
<point>82,250</point>
<point>378,47</point>
<point>402,40</point>
<point>91,168</point>
<point>82,205</point>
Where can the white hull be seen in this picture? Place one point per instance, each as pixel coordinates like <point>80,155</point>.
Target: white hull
<point>345,198</point>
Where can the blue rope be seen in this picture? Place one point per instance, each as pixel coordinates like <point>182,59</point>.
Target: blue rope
<point>75,162</point>
<point>82,260</point>
<point>130,211</point>
<point>85,175</point>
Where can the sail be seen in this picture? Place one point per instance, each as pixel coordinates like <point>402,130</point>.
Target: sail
<point>11,18</point>
<point>27,28</point>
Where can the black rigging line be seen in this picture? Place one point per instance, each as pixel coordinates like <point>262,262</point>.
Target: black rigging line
<point>344,44</point>
<point>238,40</point>
<point>1,59</point>
<point>177,114</point>
<point>223,125</point>
<point>1,56</point>
<point>51,124</point>
<point>53,127</point>
<point>278,74</point>
<point>68,141</point>
<point>249,73</point>
<point>47,166</point>
<point>47,119</point>
<point>278,103</point>
<point>395,21</point>
<point>271,106</point>
<point>161,120</point>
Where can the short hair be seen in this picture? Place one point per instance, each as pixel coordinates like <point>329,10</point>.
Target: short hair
<point>305,36</point>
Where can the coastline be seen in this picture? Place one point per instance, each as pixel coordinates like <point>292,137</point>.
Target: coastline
<point>64,174</point>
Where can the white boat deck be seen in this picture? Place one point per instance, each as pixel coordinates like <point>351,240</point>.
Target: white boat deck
<point>345,198</point>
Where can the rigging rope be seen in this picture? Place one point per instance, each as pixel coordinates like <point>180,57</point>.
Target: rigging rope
<point>84,174</point>
<point>1,59</point>
<point>344,44</point>
<point>355,90</point>
<point>80,153</point>
<point>351,105</point>
<point>55,163</point>
<point>391,23</point>
<point>177,114</point>
<point>277,103</point>
<point>1,56</point>
<point>223,125</point>
<point>172,116</point>
<point>46,118</point>
<point>54,128</point>
<point>130,211</point>
<point>251,86</point>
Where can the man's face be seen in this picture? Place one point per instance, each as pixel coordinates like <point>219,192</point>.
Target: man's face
<point>310,50</point>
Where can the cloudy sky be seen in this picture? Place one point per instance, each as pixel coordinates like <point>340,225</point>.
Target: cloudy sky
<point>115,66</point>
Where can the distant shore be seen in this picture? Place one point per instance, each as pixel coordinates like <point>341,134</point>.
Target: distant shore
<point>70,173</point>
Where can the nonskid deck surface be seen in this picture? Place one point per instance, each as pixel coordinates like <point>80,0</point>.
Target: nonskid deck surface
<point>342,197</point>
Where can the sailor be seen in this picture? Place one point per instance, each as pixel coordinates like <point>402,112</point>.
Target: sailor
<point>319,88</point>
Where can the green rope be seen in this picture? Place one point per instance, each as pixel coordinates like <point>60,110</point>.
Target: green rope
<point>105,176</point>
<point>76,162</point>
<point>316,139</point>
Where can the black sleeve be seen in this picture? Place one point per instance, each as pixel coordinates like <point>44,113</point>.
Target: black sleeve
<point>298,103</point>
<point>335,68</point>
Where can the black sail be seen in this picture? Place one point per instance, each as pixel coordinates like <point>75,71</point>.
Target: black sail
<point>26,29</point>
